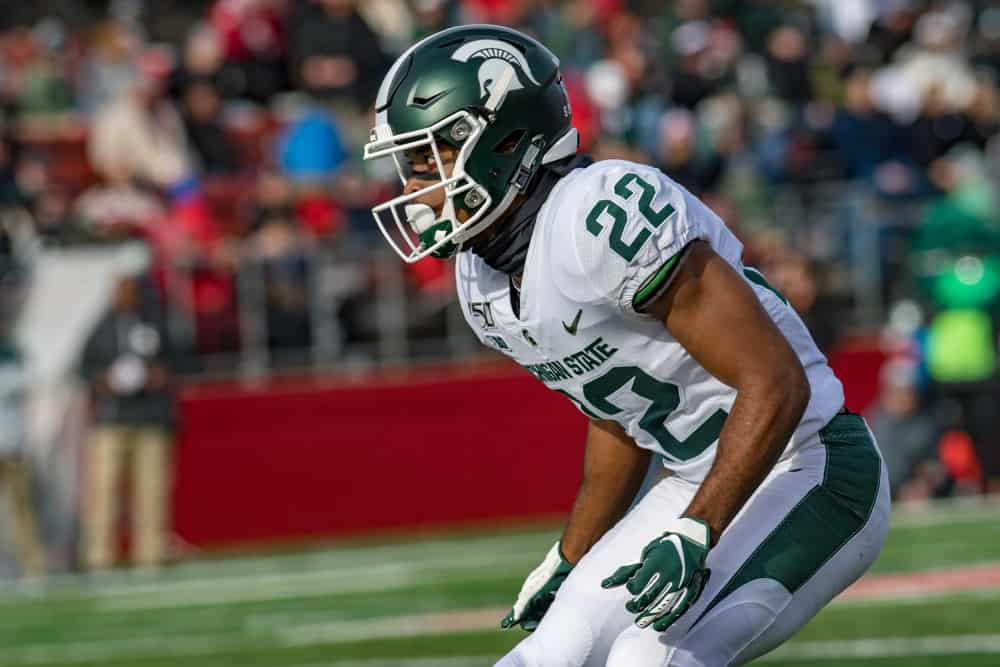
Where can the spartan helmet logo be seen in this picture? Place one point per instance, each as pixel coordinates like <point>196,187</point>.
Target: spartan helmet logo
<point>498,57</point>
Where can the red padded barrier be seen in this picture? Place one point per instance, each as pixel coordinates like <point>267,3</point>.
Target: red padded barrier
<point>300,460</point>
<point>857,362</point>
<point>308,458</point>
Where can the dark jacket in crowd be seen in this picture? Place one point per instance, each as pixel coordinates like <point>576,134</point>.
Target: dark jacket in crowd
<point>320,34</point>
<point>140,336</point>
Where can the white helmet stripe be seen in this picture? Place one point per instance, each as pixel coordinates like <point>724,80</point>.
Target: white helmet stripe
<point>494,48</point>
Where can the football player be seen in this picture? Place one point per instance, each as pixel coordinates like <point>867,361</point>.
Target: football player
<point>614,286</point>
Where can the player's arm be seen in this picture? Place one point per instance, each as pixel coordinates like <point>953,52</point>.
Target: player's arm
<point>712,311</point>
<point>716,316</point>
<point>613,470</point>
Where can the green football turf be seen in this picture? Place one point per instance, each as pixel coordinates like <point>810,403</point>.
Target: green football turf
<point>370,605</point>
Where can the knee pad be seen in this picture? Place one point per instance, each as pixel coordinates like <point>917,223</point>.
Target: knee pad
<point>563,639</point>
<point>637,647</point>
<point>513,659</point>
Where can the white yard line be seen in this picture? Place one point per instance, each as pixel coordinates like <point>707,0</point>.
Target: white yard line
<point>167,593</point>
<point>243,582</point>
<point>451,552</point>
<point>912,598</point>
<point>332,625</point>
<point>211,596</point>
<point>373,579</point>
<point>454,661</point>
<point>954,512</point>
<point>428,550</point>
<point>99,651</point>
<point>416,625</point>
<point>840,649</point>
<point>416,549</point>
<point>119,624</point>
<point>369,579</point>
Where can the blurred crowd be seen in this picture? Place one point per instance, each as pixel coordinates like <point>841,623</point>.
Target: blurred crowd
<point>851,144</point>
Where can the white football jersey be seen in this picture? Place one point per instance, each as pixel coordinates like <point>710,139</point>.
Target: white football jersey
<point>597,249</point>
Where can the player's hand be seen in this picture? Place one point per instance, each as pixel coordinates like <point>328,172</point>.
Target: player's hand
<point>538,591</point>
<point>669,575</point>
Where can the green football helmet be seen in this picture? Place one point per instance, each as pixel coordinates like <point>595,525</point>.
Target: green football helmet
<point>496,97</point>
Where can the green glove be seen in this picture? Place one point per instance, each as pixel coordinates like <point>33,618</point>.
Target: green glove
<point>669,576</point>
<point>538,591</point>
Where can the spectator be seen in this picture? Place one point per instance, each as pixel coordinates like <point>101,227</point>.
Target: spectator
<point>706,52</point>
<point>108,69</point>
<point>280,248</point>
<point>336,55</point>
<point>575,37</point>
<point>987,41</point>
<point>118,210</point>
<point>15,476</point>
<point>10,193</point>
<point>252,36</point>
<point>55,222</point>
<point>140,136</point>
<point>272,200</point>
<point>788,64</point>
<point>761,107</point>
<point>201,106</point>
<point>429,16</point>
<point>126,363</point>
<point>865,137</point>
<point>906,432</point>
<point>44,88</point>
<point>937,129</point>
<point>310,149</point>
<point>893,28</point>
<point>679,156</point>
<point>202,59</point>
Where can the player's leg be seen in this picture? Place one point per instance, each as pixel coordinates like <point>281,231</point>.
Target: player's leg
<point>814,526</point>
<point>105,453</point>
<point>151,475</point>
<point>845,567</point>
<point>30,552</point>
<point>584,619</point>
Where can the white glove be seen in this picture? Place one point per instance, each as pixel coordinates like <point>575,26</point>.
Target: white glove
<point>538,591</point>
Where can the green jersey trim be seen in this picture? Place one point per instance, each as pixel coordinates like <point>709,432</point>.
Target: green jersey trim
<point>655,285</point>
<point>758,278</point>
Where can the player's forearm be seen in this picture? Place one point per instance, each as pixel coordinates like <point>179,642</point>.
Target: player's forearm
<point>762,420</point>
<point>613,471</point>
<point>599,505</point>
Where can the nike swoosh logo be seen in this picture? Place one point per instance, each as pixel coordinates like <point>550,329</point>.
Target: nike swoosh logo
<point>424,102</point>
<point>571,328</point>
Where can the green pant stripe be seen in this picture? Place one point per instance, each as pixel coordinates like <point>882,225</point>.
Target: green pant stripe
<point>825,519</point>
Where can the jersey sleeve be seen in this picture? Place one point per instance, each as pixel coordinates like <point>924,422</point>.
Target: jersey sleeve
<point>630,227</point>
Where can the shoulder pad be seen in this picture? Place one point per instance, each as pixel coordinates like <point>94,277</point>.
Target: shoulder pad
<point>616,223</point>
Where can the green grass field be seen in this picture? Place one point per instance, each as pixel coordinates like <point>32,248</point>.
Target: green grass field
<point>436,602</point>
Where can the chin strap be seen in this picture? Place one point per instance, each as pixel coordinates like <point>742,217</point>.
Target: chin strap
<point>508,248</point>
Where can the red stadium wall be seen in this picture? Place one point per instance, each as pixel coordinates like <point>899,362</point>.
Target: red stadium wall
<point>857,361</point>
<point>307,459</point>
<point>300,460</point>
